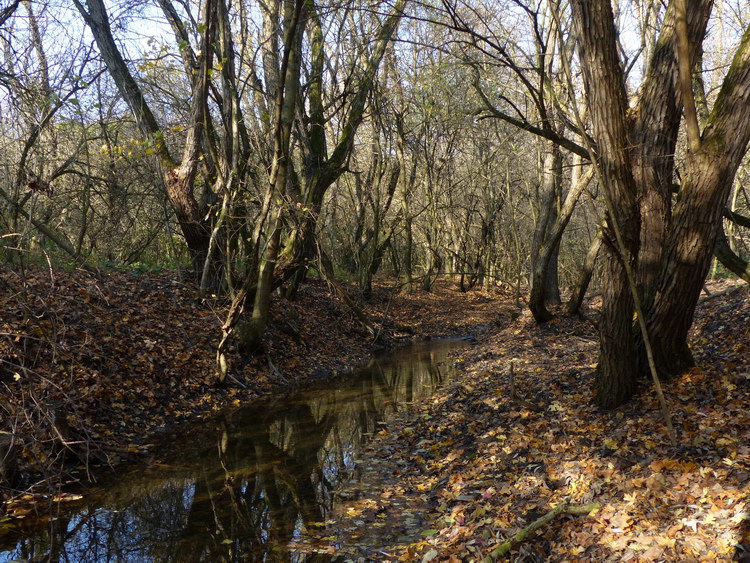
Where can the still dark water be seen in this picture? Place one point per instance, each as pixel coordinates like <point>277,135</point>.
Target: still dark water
<point>243,487</point>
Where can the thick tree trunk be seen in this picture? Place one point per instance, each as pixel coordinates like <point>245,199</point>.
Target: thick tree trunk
<point>698,214</point>
<point>687,259</point>
<point>607,101</point>
<point>653,134</point>
<point>195,230</point>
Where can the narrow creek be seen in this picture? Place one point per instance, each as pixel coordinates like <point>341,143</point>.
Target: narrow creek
<point>244,486</point>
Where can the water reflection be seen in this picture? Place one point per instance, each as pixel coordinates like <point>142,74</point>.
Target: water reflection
<point>243,487</point>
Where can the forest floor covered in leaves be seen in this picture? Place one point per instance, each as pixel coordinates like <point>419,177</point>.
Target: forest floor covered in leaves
<point>92,367</point>
<point>103,363</point>
<point>494,452</point>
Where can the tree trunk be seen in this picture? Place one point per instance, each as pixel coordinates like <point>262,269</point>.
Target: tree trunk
<point>286,103</point>
<point>605,90</point>
<point>579,292</point>
<point>537,298</point>
<point>698,214</point>
<point>322,170</point>
<point>178,178</point>
<point>654,126</point>
<point>653,136</point>
<point>543,280</point>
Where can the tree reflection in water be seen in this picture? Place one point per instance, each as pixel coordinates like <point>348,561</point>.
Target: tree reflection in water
<point>243,487</point>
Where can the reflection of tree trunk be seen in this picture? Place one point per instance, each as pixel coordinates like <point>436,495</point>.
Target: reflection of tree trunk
<point>215,514</point>
<point>409,383</point>
<point>436,376</point>
<point>281,524</point>
<point>58,536</point>
<point>380,381</point>
<point>296,478</point>
<point>197,535</point>
<point>368,411</point>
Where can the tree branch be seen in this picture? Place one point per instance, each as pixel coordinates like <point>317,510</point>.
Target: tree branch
<point>6,13</point>
<point>686,82</point>
<point>525,534</point>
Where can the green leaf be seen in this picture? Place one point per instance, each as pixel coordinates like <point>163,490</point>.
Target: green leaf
<point>430,532</point>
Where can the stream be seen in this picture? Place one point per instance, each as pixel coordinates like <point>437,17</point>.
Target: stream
<point>240,487</point>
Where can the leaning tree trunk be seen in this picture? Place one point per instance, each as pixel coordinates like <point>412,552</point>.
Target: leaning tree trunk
<point>587,271</point>
<point>605,90</point>
<point>654,126</point>
<point>698,214</point>
<point>179,177</point>
<point>687,258</point>
<point>537,297</point>
<point>729,259</point>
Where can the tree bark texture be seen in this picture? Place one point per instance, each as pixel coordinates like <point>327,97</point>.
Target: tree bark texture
<point>607,101</point>
<point>698,214</point>
<point>654,124</point>
<point>582,285</point>
<point>537,294</point>
<point>543,280</point>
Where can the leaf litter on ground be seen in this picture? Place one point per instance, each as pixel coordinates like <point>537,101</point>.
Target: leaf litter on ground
<point>458,475</point>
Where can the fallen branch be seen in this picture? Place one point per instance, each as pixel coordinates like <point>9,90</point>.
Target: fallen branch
<point>526,533</point>
<point>716,294</point>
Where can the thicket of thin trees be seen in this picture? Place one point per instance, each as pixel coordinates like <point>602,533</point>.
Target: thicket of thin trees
<point>253,144</point>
